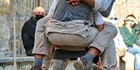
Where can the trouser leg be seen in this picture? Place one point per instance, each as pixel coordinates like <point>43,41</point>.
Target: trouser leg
<point>104,42</point>
<point>108,57</point>
<point>104,37</point>
<point>137,62</point>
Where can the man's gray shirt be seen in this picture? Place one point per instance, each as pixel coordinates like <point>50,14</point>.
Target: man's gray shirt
<point>64,12</point>
<point>75,18</point>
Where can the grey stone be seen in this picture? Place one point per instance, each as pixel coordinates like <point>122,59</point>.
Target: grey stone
<point>18,59</point>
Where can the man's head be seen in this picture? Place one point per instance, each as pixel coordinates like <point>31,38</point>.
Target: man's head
<point>113,18</point>
<point>130,20</point>
<point>38,13</point>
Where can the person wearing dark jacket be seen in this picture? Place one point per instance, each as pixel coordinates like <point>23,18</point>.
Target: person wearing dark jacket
<point>28,30</point>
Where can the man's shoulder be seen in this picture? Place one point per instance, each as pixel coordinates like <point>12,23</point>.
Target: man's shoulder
<point>30,21</point>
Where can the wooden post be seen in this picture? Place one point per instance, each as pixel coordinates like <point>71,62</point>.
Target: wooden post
<point>14,27</point>
<point>38,2</point>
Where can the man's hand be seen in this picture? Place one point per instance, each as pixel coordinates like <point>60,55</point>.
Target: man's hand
<point>75,3</point>
<point>121,52</point>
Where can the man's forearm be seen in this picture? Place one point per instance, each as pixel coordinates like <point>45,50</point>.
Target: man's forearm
<point>100,27</point>
<point>89,2</point>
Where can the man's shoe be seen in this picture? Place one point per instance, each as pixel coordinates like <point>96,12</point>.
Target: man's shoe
<point>36,67</point>
<point>56,65</point>
<point>83,64</point>
<point>95,67</point>
<point>106,13</point>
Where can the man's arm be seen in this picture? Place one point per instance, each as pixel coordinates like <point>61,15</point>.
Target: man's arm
<point>88,2</point>
<point>97,17</point>
<point>100,27</point>
<point>30,28</point>
<point>52,9</point>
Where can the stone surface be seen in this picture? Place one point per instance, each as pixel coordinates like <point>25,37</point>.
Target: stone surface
<point>18,59</point>
<point>4,36</point>
<point>9,67</point>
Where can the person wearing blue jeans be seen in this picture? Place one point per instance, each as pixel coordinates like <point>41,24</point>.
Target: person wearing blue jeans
<point>136,53</point>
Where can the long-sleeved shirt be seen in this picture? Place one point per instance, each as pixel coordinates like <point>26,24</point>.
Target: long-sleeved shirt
<point>129,38</point>
<point>28,33</point>
<point>119,43</point>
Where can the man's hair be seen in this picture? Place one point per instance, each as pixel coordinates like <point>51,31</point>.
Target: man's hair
<point>36,8</point>
<point>130,15</point>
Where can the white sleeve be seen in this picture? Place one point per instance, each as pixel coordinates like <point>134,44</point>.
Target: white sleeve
<point>102,5</point>
<point>53,6</point>
<point>97,18</point>
<point>52,9</point>
<point>119,41</point>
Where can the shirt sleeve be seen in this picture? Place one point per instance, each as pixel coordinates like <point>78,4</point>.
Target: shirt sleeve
<point>97,18</point>
<point>52,9</point>
<point>53,6</point>
<point>119,41</point>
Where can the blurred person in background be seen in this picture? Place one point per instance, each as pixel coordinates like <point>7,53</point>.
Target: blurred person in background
<point>121,49</point>
<point>28,29</point>
<point>128,32</point>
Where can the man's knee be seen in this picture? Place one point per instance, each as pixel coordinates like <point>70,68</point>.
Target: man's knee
<point>110,28</point>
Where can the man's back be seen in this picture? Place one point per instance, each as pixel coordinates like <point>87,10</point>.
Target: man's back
<point>64,12</point>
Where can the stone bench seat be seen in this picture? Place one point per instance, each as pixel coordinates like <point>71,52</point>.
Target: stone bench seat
<point>18,59</point>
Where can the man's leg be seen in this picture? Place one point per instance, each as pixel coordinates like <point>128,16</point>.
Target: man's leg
<point>77,42</point>
<point>74,40</point>
<point>47,59</point>
<point>109,57</point>
<point>41,45</point>
<point>137,62</point>
<point>100,43</point>
<point>134,50</point>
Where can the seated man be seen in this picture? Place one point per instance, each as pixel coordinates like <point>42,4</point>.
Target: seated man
<point>82,34</point>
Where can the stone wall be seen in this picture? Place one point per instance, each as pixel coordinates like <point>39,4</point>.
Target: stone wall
<point>122,8</point>
<point>13,14</point>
